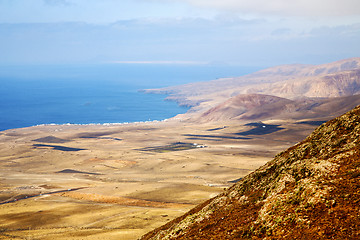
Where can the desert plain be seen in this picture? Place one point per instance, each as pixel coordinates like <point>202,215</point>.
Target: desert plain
<point>121,181</point>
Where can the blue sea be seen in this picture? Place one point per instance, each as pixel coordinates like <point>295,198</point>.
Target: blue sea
<point>95,93</point>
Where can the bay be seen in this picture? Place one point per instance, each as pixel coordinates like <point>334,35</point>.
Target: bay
<point>102,93</point>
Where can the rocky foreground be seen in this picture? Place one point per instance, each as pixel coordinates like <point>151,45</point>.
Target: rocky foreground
<point>309,191</point>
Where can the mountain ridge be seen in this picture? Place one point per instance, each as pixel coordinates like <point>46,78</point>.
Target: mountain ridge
<point>337,79</point>
<point>281,72</point>
<point>338,84</point>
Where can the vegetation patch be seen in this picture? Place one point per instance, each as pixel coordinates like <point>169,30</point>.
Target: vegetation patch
<point>209,137</point>
<point>59,148</point>
<point>313,123</point>
<point>178,146</point>
<point>51,139</point>
<point>260,129</point>
<point>75,171</point>
<point>216,129</point>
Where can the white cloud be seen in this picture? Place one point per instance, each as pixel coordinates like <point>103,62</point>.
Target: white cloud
<point>185,41</point>
<point>284,7</point>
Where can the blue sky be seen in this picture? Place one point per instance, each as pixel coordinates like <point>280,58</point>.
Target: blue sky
<point>253,33</point>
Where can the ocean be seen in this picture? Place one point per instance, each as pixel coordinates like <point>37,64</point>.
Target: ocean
<point>96,93</point>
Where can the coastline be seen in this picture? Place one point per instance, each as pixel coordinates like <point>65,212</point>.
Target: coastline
<point>99,124</point>
<point>88,81</point>
<point>179,112</point>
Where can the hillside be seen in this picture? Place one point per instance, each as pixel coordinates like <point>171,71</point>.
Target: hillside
<point>256,107</point>
<point>337,79</point>
<point>330,85</point>
<point>241,104</point>
<point>309,191</point>
<point>269,75</point>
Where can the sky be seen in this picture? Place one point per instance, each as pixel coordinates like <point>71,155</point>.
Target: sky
<point>232,32</point>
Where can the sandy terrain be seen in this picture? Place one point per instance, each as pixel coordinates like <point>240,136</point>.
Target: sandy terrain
<point>121,181</point>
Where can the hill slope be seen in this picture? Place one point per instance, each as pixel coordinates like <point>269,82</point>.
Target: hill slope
<point>269,75</point>
<point>330,85</point>
<point>256,107</point>
<point>310,191</point>
<point>240,104</point>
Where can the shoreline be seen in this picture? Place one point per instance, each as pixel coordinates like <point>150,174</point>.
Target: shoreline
<point>98,124</point>
<point>90,124</point>
<point>143,91</point>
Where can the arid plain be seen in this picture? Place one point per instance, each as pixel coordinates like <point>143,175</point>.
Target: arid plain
<point>121,181</point>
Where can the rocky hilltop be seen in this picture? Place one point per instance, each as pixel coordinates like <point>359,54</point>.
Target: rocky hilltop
<point>309,191</point>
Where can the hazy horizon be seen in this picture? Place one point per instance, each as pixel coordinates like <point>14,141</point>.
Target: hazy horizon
<point>193,32</point>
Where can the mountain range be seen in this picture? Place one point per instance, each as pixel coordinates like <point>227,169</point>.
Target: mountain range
<point>287,91</point>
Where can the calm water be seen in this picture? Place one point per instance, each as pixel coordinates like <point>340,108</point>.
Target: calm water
<point>83,94</point>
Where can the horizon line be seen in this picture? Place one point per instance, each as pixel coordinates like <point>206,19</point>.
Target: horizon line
<point>162,62</point>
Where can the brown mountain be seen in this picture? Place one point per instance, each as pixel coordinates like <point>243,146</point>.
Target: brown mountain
<point>309,191</point>
<point>330,85</point>
<point>239,105</point>
<point>263,107</point>
<point>269,75</point>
